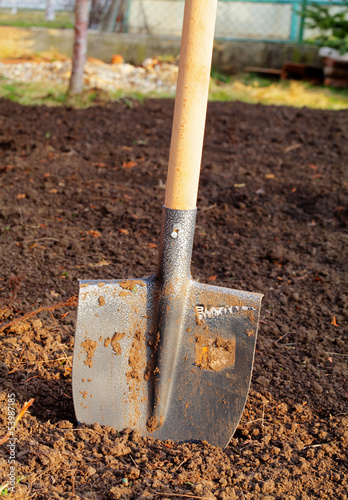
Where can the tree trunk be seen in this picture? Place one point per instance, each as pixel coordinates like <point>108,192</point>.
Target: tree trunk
<point>50,14</point>
<point>80,46</point>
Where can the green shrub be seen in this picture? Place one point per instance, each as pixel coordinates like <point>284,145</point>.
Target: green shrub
<point>333,27</point>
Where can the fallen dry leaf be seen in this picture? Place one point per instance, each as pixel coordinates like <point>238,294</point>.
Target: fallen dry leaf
<point>130,164</point>
<point>95,234</point>
<point>20,196</point>
<point>123,231</point>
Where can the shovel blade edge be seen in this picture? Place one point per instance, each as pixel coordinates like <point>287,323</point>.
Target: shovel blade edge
<point>114,366</point>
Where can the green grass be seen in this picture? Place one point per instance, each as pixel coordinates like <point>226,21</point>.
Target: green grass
<point>220,77</point>
<point>31,93</point>
<point>5,490</point>
<point>252,89</point>
<point>244,88</point>
<point>30,18</point>
<point>35,94</point>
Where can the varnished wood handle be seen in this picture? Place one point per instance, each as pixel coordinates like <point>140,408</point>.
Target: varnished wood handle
<point>190,104</point>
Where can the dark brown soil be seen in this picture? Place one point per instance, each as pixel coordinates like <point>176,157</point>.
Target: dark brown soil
<point>81,194</point>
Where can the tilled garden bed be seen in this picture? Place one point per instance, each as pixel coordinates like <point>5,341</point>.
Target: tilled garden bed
<point>80,197</point>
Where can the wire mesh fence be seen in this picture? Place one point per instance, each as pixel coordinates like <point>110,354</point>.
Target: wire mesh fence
<point>235,19</point>
<point>266,20</point>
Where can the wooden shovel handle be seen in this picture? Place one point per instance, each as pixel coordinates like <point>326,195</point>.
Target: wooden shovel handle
<point>190,104</point>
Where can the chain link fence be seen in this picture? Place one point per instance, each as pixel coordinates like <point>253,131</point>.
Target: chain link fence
<point>259,20</point>
<point>235,19</point>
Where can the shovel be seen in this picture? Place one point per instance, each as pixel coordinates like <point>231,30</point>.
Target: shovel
<point>167,355</point>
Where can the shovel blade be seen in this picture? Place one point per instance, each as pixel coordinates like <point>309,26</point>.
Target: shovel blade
<point>110,353</point>
<point>115,368</point>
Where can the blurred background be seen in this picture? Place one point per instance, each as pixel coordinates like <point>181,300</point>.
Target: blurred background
<point>259,20</point>
<point>133,46</point>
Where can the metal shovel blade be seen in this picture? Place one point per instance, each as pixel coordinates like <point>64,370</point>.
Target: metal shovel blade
<point>165,355</point>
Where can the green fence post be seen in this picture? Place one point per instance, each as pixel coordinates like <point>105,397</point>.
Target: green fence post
<point>303,20</point>
<point>126,19</point>
<point>295,20</point>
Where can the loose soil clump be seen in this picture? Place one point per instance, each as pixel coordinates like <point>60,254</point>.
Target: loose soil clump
<point>81,195</point>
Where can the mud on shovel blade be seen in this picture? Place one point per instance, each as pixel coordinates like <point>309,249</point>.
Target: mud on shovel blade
<point>167,355</point>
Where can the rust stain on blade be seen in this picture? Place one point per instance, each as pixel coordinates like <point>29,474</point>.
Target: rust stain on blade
<point>215,354</point>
